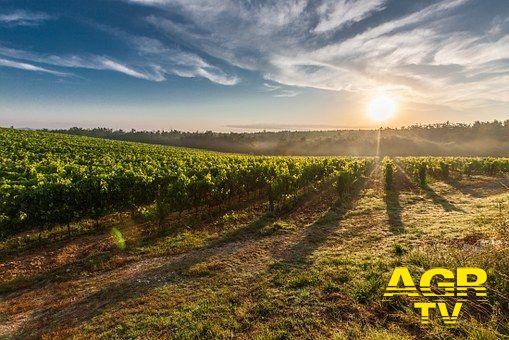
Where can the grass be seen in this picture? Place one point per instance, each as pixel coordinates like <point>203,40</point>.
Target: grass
<point>398,249</point>
<point>276,227</point>
<point>204,269</point>
<point>38,238</point>
<point>315,271</point>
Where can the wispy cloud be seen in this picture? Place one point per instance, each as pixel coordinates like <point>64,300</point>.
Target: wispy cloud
<point>28,67</point>
<point>406,54</point>
<point>152,60</point>
<point>23,18</point>
<point>279,92</point>
<point>93,62</point>
<point>115,66</point>
<point>172,60</point>
<point>286,94</point>
<point>336,14</point>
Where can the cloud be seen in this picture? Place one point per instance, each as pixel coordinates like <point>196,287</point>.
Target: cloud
<point>150,2</point>
<point>286,94</point>
<point>381,56</point>
<point>171,60</point>
<point>284,52</point>
<point>152,59</point>
<point>466,49</point>
<point>279,92</point>
<point>24,18</point>
<point>29,67</point>
<point>427,55</point>
<point>271,87</point>
<point>336,14</point>
<point>157,64</point>
<point>240,33</point>
<point>93,62</point>
<point>436,54</point>
<point>114,66</point>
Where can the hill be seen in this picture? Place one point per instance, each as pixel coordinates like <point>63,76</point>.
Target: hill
<point>477,139</point>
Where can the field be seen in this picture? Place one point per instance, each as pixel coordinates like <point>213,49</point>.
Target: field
<point>125,240</point>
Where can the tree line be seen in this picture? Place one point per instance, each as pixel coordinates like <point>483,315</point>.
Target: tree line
<point>444,139</point>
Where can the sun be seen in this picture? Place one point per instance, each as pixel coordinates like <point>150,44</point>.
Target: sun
<point>381,108</point>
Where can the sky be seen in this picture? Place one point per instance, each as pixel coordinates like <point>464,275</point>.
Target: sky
<point>227,65</point>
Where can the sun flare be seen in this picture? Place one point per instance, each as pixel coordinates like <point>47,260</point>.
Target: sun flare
<point>381,108</point>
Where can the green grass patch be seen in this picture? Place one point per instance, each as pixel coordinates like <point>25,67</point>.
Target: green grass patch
<point>204,269</point>
<point>278,227</point>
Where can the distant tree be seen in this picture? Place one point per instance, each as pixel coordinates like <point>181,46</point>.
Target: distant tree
<point>477,139</point>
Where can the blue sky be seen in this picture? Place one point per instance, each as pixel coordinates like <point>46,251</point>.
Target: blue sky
<point>229,65</point>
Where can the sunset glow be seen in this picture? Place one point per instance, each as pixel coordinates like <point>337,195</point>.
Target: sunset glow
<point>381,108</point>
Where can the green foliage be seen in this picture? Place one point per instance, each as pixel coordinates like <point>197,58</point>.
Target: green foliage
<point>418,168</point>
<point>421,175</point>
<point>444,170</point>
<point>445,167</point>
<point>48,179</point>
<point>388,170</point>
<point>348,175</point>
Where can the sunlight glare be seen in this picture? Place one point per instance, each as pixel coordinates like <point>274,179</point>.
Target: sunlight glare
<point>381,108</point>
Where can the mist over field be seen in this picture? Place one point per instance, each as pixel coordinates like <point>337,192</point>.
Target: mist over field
<point>478,139</point>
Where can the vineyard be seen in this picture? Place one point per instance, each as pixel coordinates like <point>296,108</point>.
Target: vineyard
<point>48,179</point>
<point>444,168</point>
<point>238,246</point>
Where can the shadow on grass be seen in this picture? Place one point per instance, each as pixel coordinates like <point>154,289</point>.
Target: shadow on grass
<point>440,200</point>
<point>197,218</point>
<point>141,280</point>
<point>60,273</point>
<point>150,234</point>
<point>394,209</point>
<point>464,189</point>
<point>131,285</point>
<point>320,230</point>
